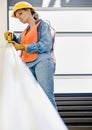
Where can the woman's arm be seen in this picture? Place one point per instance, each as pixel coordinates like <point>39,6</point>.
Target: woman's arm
<point>45,41</point>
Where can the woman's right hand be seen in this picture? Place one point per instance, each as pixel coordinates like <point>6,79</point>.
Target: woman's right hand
<point>8,35</point>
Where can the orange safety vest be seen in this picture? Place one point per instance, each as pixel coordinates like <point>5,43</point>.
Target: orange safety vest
<point>30,38</point>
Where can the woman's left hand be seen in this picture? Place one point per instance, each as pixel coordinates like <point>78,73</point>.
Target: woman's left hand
<point>18,46</point>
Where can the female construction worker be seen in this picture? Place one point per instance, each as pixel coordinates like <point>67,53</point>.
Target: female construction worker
<point>35,43</point>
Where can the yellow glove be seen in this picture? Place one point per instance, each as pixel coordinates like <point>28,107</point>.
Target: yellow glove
<point>8,35</point>
<point>19,46</point>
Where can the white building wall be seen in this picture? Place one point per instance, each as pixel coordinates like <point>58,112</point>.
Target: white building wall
<point>3,19</point>
<point>73,51</point>
<point>78,84</point>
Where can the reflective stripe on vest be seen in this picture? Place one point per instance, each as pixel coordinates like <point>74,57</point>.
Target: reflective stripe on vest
<point>30,38</point>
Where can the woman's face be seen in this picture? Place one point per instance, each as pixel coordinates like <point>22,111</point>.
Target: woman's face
<point>23,15</point>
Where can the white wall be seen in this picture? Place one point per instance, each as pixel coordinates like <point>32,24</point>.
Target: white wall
<point>73,51</point>
<point>77,84</point>
<point>3,19</point>
<point>73,54</point>
<point>69,20</point>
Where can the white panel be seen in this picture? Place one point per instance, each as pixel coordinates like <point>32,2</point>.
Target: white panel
<point>15,24</point>
<point>73,55</point>
<point>62,20</point>
<point>69,20</point>
<point>73,85</point>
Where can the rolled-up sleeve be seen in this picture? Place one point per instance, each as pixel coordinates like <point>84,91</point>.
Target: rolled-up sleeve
<point>17,39</point>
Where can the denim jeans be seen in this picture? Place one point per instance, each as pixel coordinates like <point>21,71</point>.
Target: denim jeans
<point>43,71</point>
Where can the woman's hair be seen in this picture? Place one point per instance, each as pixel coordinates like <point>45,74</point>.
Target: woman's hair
<point>35,15</point>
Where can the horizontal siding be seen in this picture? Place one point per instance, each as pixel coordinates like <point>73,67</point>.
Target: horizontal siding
<point>75,109</point>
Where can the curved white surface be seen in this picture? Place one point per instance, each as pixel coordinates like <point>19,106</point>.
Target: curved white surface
<point>23,104</point>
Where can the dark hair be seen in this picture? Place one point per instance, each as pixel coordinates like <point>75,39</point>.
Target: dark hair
<point>35,15</point>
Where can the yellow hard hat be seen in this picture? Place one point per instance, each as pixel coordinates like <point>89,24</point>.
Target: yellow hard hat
<point>21,5</point>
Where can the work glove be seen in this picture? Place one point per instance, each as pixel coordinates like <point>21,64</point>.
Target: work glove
<point>8,35</point>
<point>19,46</point>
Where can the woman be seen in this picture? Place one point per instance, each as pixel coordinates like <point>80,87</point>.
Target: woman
<point>35,43</point>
